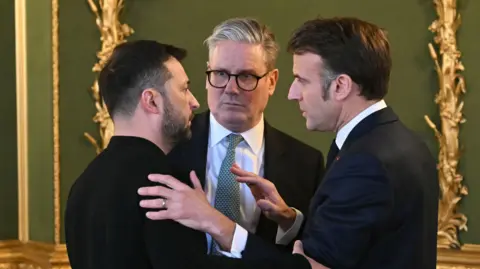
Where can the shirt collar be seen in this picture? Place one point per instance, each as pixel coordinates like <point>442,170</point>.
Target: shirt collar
<point>253,137</point>
<point>345,130</point>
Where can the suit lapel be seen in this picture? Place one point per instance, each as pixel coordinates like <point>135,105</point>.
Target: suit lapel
<point>372,121</point>
<point>199,140</point>
<point>274,152</point>
<point>273,162</point>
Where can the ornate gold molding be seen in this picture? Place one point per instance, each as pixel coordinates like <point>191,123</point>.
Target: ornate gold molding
<point>15,255</point>
<point>22,117</point>
<point>113,33</point>
<point>451,86</point>
<point>34,255</point>
<point>56,122</point>
<point>466,258</point>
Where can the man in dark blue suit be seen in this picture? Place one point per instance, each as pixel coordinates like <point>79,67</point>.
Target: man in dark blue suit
<point>376,207</point>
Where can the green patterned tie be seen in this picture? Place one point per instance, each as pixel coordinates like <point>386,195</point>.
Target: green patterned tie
<point>227,196</point>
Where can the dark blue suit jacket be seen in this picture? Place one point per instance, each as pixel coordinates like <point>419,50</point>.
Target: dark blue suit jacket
<point>376,207</point>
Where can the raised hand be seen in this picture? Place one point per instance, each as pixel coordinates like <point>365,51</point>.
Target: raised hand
<point>267,197</point>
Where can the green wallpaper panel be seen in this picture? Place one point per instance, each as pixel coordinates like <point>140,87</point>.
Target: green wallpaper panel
<point>187,23</point>
<point>40,137</point>
<point>468,43</point>
<point>8,143</point>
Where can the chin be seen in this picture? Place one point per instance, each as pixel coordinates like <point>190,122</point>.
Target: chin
<point>310,127</point>
<point>313,127</point>
<point>233,117</point>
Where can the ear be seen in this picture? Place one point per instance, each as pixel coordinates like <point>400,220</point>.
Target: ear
<point>151,102</point>
<point>343,87</point>
<point>272,81</point>
<point>206,78</point>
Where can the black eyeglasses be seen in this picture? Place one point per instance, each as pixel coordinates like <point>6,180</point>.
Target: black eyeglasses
<point>246,82</point>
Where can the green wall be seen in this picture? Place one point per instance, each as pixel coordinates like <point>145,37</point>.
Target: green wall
<point>187,23</point>
<point>470,169</point>
<point>8,141</point>
<point>40,123</point>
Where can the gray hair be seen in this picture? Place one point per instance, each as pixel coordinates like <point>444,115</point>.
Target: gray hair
<point>328,76</point>
<point>246,30</point>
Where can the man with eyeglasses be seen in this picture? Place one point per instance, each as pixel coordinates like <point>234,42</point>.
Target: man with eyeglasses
<point>240,78</point>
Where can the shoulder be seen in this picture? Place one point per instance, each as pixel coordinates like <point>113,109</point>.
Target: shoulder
<point>292,144</point>
<point>392,143</point>
<point>201,120</point>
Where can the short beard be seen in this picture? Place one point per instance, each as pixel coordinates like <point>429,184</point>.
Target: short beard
<point>175,128</point>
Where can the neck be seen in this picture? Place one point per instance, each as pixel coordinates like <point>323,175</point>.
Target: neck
<point>350,110</point>
<point>137,129</point>
<point>240,127</point>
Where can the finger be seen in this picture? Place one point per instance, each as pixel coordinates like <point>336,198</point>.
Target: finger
<point>257,194</point>
<point>248,180</point>
<point>156,191</point>
<point>298,247</point>
<point>167,180</point>
<point>255,181</point>
<point>152,203</point>
<point>236,170</point>
<point>266,205</point>
<point>158,215</point>
<point>195,180</point>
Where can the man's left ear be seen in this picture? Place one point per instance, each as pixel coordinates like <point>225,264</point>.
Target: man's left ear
<point>343,86</point>
<point>150,103</point>
<point>272,81</point>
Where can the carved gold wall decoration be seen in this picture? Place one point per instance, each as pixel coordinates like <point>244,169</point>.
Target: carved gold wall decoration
<point>451,87</point>
<point>112,33</point>
<point>32,255</point>
<point>22,118</point>
<point>56,121</point>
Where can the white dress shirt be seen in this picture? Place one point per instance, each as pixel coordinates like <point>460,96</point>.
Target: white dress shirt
<point>249,155</point>
<point>345,130</point>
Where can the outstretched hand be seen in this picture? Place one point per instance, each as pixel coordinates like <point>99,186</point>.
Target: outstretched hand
<point>267,197</point>
<point>187,206</point>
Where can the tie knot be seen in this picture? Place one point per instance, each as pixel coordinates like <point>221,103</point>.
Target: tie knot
<point>234,140</point>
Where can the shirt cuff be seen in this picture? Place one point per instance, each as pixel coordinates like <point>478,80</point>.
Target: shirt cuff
<point>285,237</point>
<point>238,243</point>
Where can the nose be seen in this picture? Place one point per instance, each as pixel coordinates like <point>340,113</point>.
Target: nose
<point>194,105</point>
<point>294,92</point>
<point>232,87</point>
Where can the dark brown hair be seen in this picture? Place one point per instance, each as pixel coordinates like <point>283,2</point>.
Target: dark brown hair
<point>348,46</point>
<point>133,67</point>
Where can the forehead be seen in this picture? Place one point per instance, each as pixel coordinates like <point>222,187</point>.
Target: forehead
<point>307,63</point>
<point>235,56</point>
<point>176,70</point>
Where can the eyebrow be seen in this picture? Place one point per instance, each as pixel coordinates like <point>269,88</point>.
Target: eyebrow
<point>186,83</point>
<point>241,71</point>
<point>300,77</point>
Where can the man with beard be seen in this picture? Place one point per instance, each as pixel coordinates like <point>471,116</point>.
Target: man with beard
<point>146,91</point>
